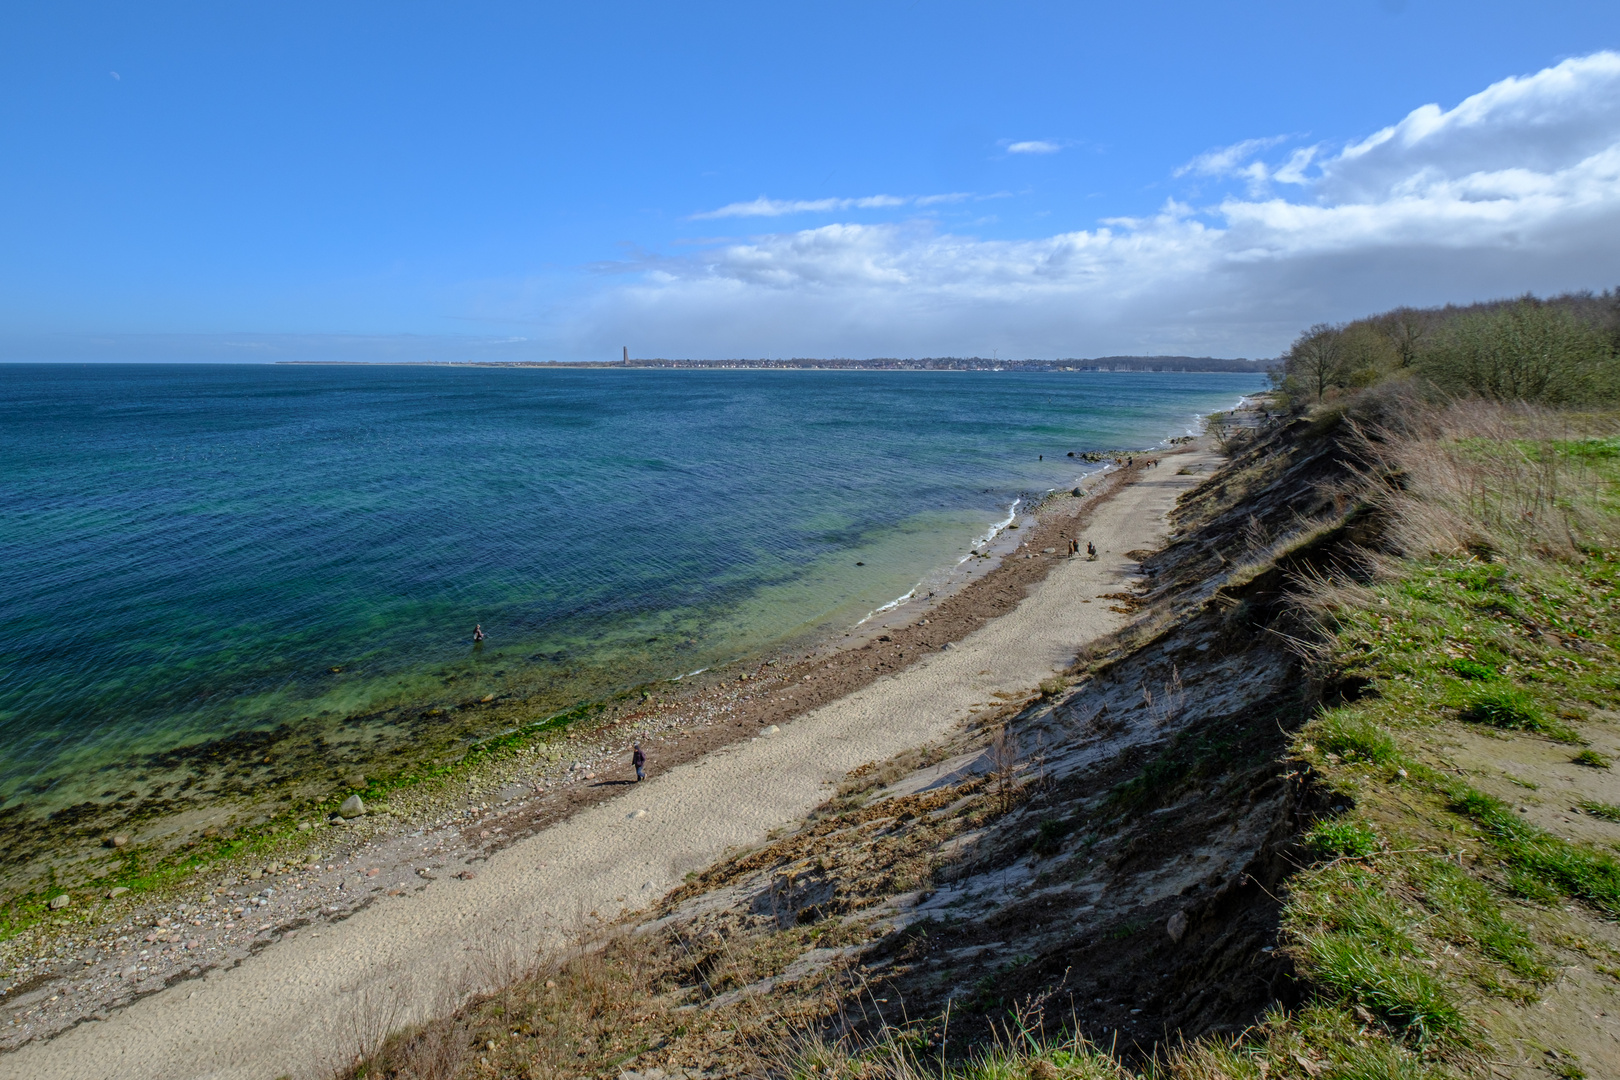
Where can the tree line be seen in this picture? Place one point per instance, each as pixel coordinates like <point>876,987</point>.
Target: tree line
<point>1562,350</point>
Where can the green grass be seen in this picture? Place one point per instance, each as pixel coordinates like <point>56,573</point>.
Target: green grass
<point>1465,668</point>
<point>1467,912</point>
<point>1606,811</point>
<point>1343,838</point>
<point>1515,710</point>
<point>1544,865</point>
<point>1391,987</point>
<point>1587,449</point>
<point>1342,732</point>
<point>1409,915</point>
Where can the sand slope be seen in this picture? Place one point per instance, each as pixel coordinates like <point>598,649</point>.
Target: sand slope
<point>305,1004</point>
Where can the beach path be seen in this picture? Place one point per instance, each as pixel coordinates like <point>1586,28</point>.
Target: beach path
<point>306,1004</point>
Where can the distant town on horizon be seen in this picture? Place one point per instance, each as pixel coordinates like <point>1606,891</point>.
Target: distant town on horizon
<point>881,363</point>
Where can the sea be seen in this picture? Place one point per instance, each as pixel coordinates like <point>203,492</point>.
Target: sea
<point>189,553</point>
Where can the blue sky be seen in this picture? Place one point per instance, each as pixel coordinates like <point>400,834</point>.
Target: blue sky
<point>919,177</point>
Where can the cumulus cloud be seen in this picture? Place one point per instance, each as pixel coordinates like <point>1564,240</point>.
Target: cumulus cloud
<point>1034,146</point>
<point>1515,188</point>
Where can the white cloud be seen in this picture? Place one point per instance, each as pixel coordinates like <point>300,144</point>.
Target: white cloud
<point>1034,146</point>
<point>1516,188</point>
<point>1228,160</point>
<point>948,197</point>
<point>1238,162</point>
<point>763,207</point>
<point>1542,123</point>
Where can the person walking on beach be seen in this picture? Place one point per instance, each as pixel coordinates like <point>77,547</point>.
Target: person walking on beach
<point>478,632</point>
<point>639,760</point>
<point>1091,550</point>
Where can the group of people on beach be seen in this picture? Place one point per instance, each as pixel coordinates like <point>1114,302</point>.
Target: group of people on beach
<point>1091,549</point>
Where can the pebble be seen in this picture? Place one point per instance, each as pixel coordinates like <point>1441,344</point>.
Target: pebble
<point>118,841</point>
<point>60,901</point>
<point>772,730</point>
<point>352,807</point>
<point>356,780</point>
<point>1177,926</point>
<point>117,892</point>
<point>638,814</point>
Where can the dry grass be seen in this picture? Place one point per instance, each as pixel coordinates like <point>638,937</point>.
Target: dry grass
<point>537,1016</point>
<point>1488,479</point>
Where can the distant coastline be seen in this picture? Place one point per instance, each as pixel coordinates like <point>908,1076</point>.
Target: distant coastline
<point>1200,364</point>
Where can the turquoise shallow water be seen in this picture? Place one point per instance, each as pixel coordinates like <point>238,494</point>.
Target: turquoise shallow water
<point>188,551</point>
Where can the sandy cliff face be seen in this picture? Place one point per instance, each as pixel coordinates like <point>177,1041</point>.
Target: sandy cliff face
<point>1113,849</point>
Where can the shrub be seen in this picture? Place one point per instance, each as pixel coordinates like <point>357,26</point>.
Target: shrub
<point>1526,351</point>
<point>1592,759</point>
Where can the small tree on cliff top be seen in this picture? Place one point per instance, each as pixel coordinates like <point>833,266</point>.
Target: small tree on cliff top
<point>1315,358</point>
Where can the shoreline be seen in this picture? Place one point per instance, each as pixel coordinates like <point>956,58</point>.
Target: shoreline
<point>724,774</point>
<point>243,793</point>
<point>528,787</point>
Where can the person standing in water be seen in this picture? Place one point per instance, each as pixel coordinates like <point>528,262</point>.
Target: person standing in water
<point>639,760</point>
<point>478,632</point>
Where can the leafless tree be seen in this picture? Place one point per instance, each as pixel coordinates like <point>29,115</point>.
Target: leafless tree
<point>1406,328</point>
<point>1316,356</point>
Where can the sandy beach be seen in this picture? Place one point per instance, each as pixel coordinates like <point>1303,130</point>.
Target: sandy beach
<point>469,905</point>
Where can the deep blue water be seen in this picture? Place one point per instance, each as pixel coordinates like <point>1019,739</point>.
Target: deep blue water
<point>189,550</point>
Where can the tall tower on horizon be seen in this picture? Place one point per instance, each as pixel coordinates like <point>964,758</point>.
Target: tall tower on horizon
<point>627,354</point>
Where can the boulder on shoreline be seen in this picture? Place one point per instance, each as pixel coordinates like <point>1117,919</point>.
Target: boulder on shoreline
<point>352,807</point>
